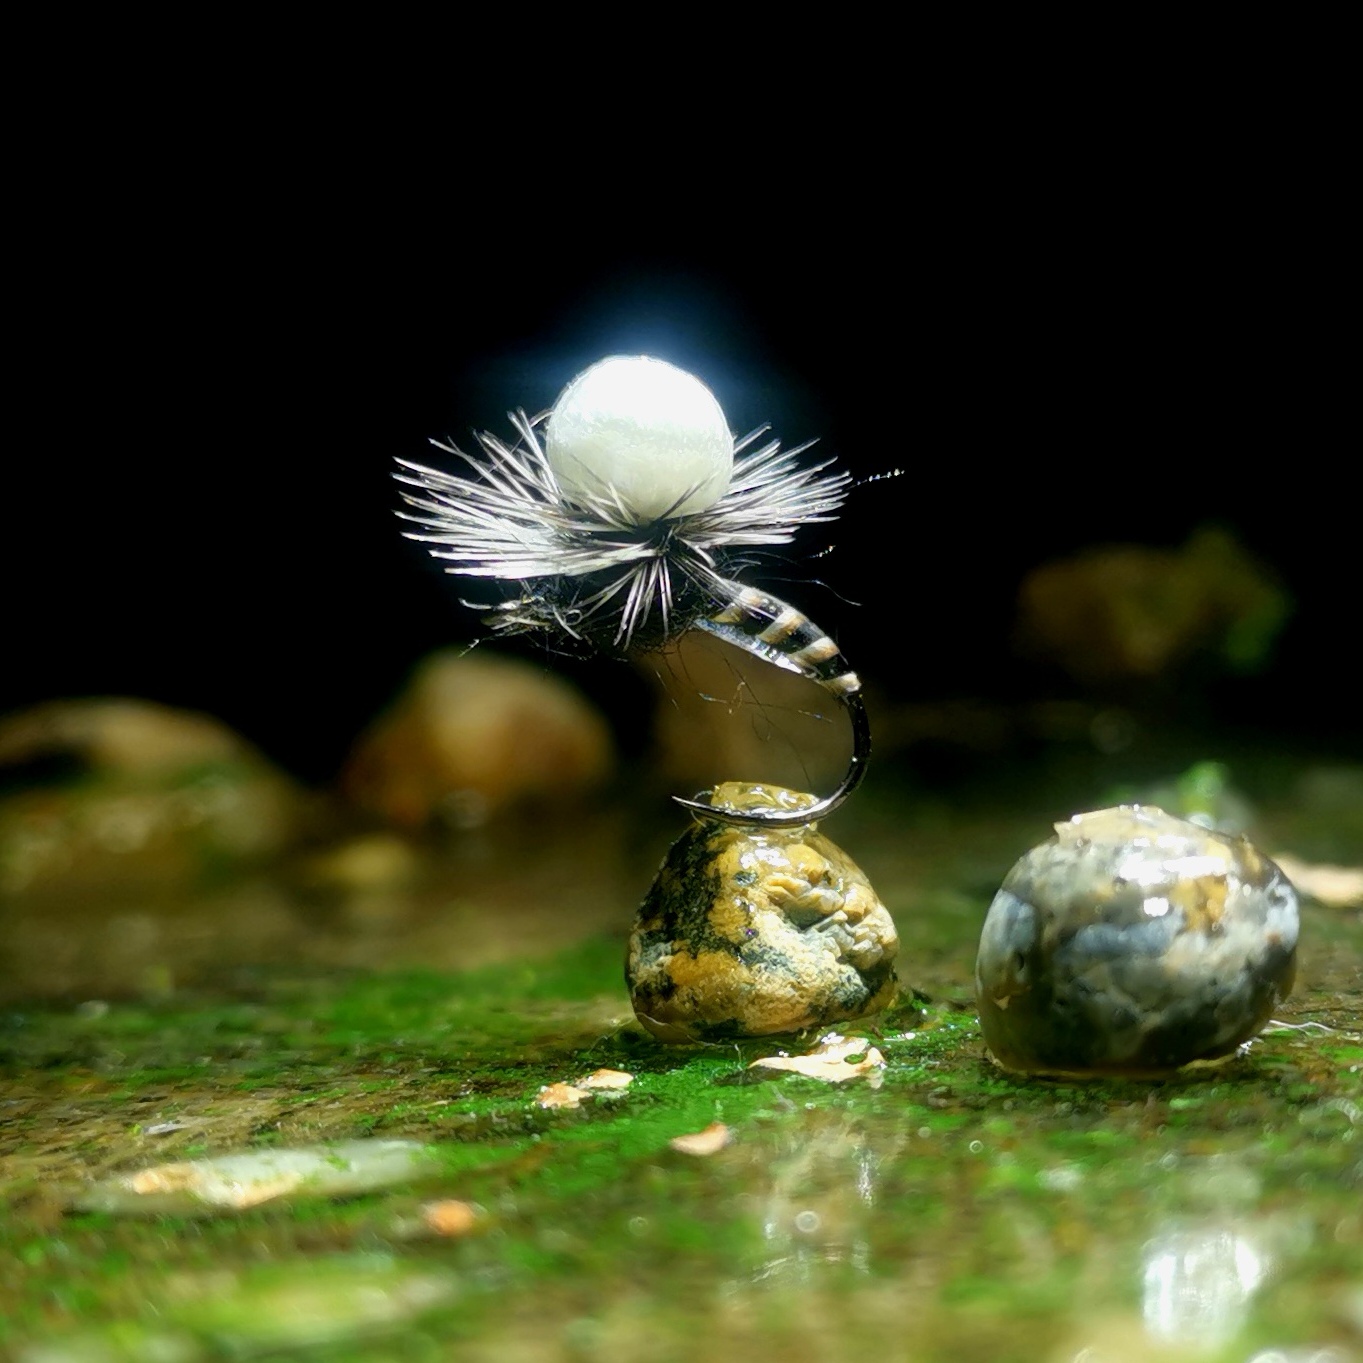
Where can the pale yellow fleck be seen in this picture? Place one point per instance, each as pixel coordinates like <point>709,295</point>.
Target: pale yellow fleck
<point>835,1061</point>
<point>606,1079</point>
<point>450,1217</point>
<point>1202,899</point>
<point>206,1184</point>
<point>561,1095</point>
<point>707,1142</point>
<point>859,901</point>
<point>253,1194</point>
<point>165,1178</point>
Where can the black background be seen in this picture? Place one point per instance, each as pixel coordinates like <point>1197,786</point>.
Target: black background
<point>223,346</point>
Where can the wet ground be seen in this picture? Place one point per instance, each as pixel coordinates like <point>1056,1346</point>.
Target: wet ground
<point>953,1212</point>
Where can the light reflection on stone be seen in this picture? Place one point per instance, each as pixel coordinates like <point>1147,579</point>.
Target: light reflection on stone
<point>1198,1283</point>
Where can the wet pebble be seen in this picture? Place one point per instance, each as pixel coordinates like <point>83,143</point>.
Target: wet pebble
<point>1133,942</point>
<point>751,931</point>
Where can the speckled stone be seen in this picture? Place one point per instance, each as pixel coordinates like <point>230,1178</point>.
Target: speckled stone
<point>749,931</point>
<point>1133,942</point>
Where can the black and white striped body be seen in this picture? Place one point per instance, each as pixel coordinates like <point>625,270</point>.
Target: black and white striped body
<point>779,633</point>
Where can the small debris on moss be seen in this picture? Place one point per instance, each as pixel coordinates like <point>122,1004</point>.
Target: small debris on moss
<point>606,1079</point>
<point>835,1061</point>
<point>561,1095</point>
<point>707,1142</point>
<point>450,1217</point>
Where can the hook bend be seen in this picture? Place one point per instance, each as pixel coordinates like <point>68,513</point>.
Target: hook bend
<point>780,634</point>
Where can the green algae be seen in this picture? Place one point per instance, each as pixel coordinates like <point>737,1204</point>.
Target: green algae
<point>955,1212</point>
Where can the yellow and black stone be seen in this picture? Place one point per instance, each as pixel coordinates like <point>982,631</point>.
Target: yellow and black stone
<point>751,931</point>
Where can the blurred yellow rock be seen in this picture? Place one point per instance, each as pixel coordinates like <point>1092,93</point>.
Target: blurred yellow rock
<point>134,737</point>
<point>110,791</point>
<point>1135,612</point>
<point>1340,887</point>
<point>473,735</point>
<point>374,862</point>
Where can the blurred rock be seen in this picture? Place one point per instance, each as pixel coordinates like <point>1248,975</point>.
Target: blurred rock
<point>1339,887</point>
<point>115,791</point>
<point>375,862</point>
<point>1126,612</point>
<point>473,735</point>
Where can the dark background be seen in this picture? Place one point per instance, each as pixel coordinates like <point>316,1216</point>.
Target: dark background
<point>222,355</point>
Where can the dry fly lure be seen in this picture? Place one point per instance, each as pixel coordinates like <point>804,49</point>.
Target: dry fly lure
<point>617,517</point>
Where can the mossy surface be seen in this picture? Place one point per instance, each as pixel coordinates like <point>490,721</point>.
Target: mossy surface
<point>955,1212</point>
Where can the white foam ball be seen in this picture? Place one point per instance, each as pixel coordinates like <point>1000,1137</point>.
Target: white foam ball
<point>645,429</point>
